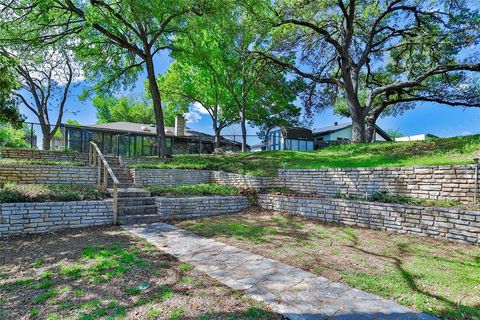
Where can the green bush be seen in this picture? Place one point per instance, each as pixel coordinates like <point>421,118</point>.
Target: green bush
<point>193,190</point>
<point>11,192</point>
<point>41,162</point>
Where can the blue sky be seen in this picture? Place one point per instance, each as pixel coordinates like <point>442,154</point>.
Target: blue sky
<point>431,118</point>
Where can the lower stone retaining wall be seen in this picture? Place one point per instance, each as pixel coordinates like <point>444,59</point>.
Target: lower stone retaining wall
<point>183,208</point>
<point>446,223</point>
<point>36,217</point>
<point>46,174</point>
<point>168,177</point>
<point>34,154</point>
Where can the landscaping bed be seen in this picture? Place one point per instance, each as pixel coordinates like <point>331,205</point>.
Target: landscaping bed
<point>428,275</point>
<point>12,192</point>
<point>41,162</point>
<point>108,273</point>
<point>193,190</point>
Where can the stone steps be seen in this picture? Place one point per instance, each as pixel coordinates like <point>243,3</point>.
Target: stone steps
<point>138,210</point>
<point>143,218</point>
<point>132,192</point>
<point>136,201</point>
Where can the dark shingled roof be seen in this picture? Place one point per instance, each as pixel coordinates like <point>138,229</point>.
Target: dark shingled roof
<point>149,129</point>
<point>298,133</point>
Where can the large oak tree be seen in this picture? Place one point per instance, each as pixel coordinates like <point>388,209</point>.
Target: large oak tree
<point>376,56</point>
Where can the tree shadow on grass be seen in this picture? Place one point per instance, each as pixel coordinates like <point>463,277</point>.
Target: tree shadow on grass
<point>97,272</point>
<point>454,310</point>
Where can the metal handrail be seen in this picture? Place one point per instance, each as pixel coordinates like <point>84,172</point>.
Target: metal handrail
<point>96,159</point>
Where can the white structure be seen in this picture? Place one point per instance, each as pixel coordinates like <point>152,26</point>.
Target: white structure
<point>418,137</point>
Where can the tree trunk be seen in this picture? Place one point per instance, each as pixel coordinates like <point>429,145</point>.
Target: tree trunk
<point>370,130</point>
<point>217,137</point>
<point>157,105</point>
<point>244,131</point>
<point>47,137</point>
<point>358,129</point>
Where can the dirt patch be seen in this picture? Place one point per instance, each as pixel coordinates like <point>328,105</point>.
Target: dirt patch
<point>107,273</point>
<point>429,275</point>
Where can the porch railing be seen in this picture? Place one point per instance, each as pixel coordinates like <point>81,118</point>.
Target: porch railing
<point>96,159</point>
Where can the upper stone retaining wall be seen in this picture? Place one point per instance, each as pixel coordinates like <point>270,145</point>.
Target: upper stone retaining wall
<point>36,217</point>
<point>242,181</point>
<point>47,174</point>
<point>434,183</point>
<point>168,177</point>
<point>446,223</point>
<point>183,208</point>
<point>139,160</point>
<point>33,154</point>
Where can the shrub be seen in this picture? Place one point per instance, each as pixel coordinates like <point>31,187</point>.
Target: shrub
<point>11,192</point>
<point>193,190</point>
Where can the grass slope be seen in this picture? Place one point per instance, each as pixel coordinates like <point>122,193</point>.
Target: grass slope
<point>458,150</point>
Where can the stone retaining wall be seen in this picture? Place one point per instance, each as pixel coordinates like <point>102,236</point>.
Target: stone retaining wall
<point>433,182</point>
<point>242,181</point>
<point>183,208</point>
<point>47,174</point>
<point>36,217</point>
<point>34,154</point>
<point>447,223</point>
<point>125,161</point>
<point>168,177</point>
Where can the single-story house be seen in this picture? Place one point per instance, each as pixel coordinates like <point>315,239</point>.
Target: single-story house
<point>289,138</point>
<point>417,137</point>
<point>134,139</point>
<point>343,132</point>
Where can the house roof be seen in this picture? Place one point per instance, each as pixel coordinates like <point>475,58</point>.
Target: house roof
<point>340,126</point>
<point>298,133</point>
<point>150,129</point>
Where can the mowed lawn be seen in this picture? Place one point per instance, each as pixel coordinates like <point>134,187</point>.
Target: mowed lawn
<point>105,273</point>
<point>458,150</point>
<point>434,276</point>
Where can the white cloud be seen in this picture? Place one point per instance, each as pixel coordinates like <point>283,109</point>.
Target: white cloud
<point>197,107</point>
<point>466,133</point>
<point>192,117</point>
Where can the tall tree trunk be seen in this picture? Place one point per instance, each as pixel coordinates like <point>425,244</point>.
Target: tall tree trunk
<point>217,137</point>
<point>157,105</point>
<point>47,137</point>
<point>244,130</point>
<point>358,128</point>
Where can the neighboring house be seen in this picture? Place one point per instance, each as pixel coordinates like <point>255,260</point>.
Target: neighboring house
<point>417,137</point>
<point>286,138</point>
<point>343,133</point>
<point>134,139</point>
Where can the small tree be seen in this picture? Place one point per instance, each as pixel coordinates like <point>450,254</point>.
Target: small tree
<point>46,78</point>
<point>9,112</point>
<point>186,85</point>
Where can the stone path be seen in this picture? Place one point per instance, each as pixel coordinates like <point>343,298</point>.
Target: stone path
<point>290,291</point>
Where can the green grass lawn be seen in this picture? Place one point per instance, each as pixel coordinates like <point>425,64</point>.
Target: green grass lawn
<point>193,190</point>
<point>433,276</point>
<point>12,192</point>
<point>458,150</point>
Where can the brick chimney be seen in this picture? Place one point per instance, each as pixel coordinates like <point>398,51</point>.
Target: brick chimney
<point>179,125</point>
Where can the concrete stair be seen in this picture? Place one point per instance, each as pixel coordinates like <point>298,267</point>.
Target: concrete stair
<point>136,206</point>
<point>121,172</point>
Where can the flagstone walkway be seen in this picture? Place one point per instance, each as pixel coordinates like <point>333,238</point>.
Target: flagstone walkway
<point>290,291</point>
